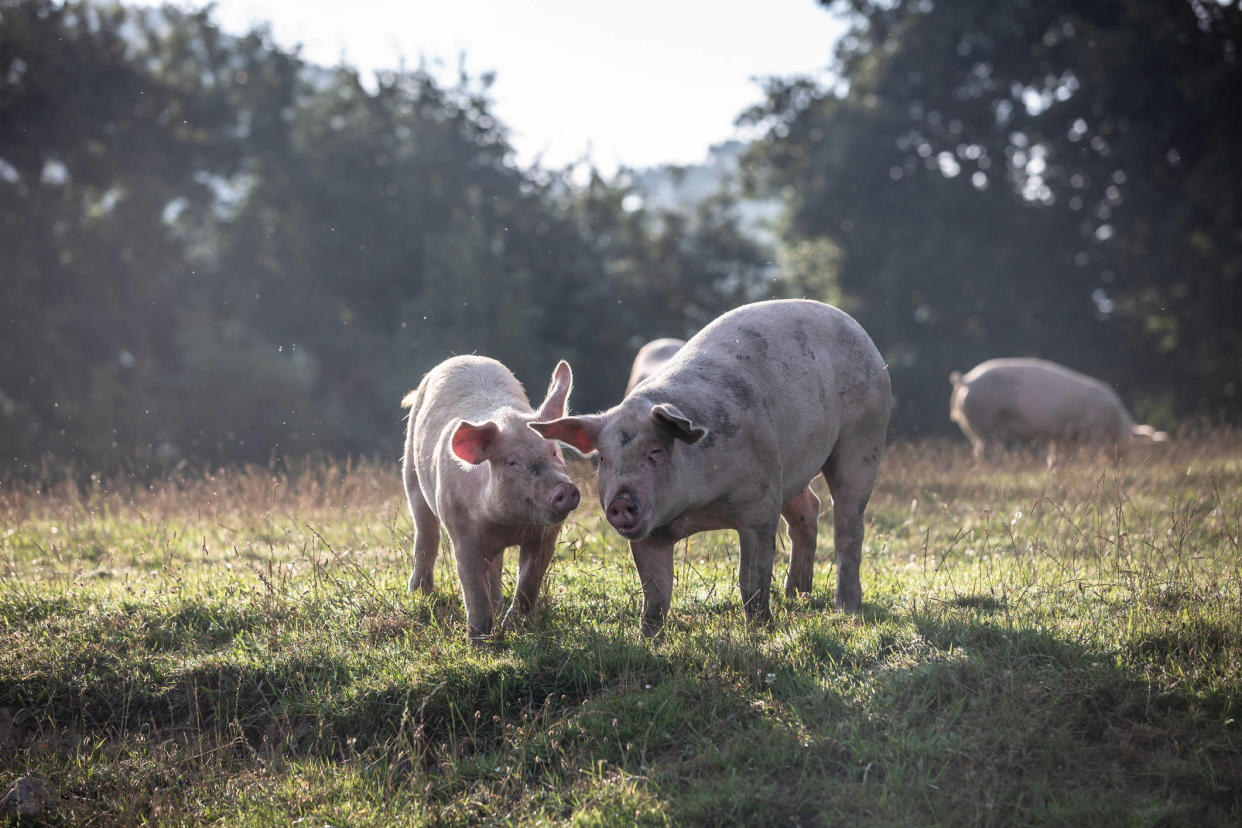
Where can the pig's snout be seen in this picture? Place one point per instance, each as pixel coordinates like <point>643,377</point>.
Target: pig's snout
<point>622,513</point>
<point>565,498</point>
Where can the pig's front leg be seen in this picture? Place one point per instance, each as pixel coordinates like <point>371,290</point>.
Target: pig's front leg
<point>534,555</point>
<point>495,585</point>
<point>477,566</point>
<point>653,557</point>
<point>757,543</point>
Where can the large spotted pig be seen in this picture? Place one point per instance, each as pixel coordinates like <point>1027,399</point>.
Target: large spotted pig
<point>729,433</point>
<point>472,465</point>
<point>1032,400</point>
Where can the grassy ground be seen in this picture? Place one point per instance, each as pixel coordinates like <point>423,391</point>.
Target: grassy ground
<point>1036,647</point>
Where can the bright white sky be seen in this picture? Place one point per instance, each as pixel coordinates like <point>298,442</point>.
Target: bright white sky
<point>638,83</point>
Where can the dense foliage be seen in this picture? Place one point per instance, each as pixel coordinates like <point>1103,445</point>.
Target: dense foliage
<point>1055,179</point>
<point>217,252</point>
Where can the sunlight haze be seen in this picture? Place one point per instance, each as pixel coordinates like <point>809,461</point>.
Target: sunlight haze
<point>634,84</point>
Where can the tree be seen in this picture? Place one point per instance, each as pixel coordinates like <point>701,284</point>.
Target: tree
<point>222,254</point>
<point>1027,178</point>
<point>111,121</point>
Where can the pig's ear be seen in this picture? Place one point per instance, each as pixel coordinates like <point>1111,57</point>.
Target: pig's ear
<point>670,416</point>
<point>580,432</point>
<point>471,442</point>
<point>553,405</point>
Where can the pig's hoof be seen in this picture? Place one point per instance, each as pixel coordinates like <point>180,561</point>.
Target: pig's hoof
<point>653,630</point>
<point>759,618</point>
<point>481,637</point>
<point>794,590</point>
<point>513,620</point>
<point>483,642</point>
<point>848,603</point>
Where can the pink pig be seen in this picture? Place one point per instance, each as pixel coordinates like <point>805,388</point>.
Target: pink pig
<point>728,434</point>
<point>1017,400</point>
<point>472,465</point>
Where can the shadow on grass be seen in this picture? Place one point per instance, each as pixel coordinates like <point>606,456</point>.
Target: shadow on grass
<point>813,709</point>
<point>1042,703</point>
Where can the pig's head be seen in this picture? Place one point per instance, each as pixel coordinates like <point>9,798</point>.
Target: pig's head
<point>638,441</point>
<point>527,482</point>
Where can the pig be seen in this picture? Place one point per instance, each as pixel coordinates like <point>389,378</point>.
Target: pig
<point>729,433</point>
<point>1033,400</point>
<point>803,510</point>
<point>472,464</point>
<point>650,358</point>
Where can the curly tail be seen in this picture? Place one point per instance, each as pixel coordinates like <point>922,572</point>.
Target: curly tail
<point>955,378</point>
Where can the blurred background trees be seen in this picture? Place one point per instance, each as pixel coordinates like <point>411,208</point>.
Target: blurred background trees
<point>214,252</point>
<point>1056,178</point>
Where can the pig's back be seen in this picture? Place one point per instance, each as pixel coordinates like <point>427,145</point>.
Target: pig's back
<point>780,376</point>
<point>1042,396</point>
<point>471,386</point>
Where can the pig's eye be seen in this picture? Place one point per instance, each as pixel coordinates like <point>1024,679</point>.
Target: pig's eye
<point>655,456</point>
<point>512,462</point>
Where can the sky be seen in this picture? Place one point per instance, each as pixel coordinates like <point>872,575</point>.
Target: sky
<point>635,83</point>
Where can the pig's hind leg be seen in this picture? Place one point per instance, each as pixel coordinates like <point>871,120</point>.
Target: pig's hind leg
<point>850,472</point>
<point>426,535</point>
<point>801,513</point>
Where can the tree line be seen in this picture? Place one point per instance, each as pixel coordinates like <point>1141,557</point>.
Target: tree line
<point>215,252</point>
<point>1059,178</point>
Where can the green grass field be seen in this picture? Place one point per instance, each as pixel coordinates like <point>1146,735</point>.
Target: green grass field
<point>1036,647</point>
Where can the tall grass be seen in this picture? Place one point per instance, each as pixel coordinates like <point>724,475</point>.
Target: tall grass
<point>1036,646</point>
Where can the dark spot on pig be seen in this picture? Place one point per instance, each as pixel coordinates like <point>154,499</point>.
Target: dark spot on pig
<point>626,437</point>
<point>804,346</point>
<point>751,343</point>
<point>741,390</point>
<point>537,468</point>
<point>722,425</point>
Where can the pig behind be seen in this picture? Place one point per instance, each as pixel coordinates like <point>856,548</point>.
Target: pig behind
<point>729,433</point>
<point>472,465</point>
<point>650,358</point>
<point>1002,401</point>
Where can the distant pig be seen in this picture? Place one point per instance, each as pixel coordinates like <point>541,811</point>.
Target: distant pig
<point>1032,400</point>
<point>650,358</point>
<point>472,465</point>
<point>729,433</point>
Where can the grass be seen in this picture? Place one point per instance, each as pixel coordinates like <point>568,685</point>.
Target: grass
<point>1037,646</point>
